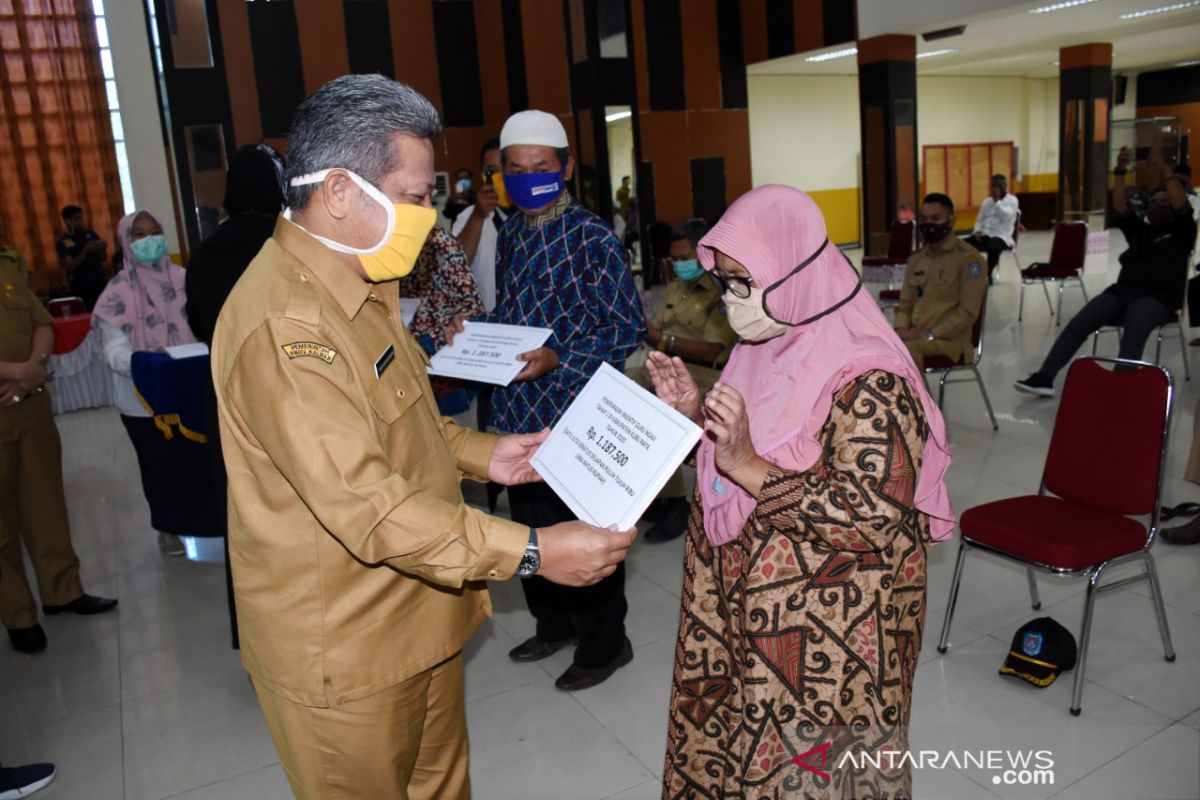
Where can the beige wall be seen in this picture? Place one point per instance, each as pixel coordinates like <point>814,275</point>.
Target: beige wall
<point>804,131</point>
<point>133,65</point>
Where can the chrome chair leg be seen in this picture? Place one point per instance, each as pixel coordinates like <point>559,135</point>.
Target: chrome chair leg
<point>1083,289</point>
<point>1085,635</point>
<point>942,387</point>
<point>1046,291</point>
<point>958,570</point>
<point>1035,600</point>
<point>986,401</point>
<point>1160,610</point>
<point>1021,303</point>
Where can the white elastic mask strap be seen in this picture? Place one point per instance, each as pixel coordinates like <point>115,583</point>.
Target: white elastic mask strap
<point>376,195</point>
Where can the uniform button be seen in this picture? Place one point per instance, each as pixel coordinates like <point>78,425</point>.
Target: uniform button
<point>372,297</point>
<point>493,574</point>
<point>400,393</point>
<point>303,277</point>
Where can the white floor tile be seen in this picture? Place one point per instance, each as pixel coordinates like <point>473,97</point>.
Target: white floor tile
<point>538,743</point>
<point>1165,767</point>
<point>267,783</point>
<point>86,750</point>
<point>650,790</point>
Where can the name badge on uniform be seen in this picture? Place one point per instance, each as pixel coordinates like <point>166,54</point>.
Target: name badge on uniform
<point>384,361</point>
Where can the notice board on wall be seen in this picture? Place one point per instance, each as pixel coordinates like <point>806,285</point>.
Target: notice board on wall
<point>964,171</point>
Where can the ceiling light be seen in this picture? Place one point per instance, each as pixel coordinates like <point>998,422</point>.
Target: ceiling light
<point>848,51</point>
<point>618,115</point>
<point>944,51</point>
<point>1186,63</point>
<point>1150,12</point>
<point>1059,6</point>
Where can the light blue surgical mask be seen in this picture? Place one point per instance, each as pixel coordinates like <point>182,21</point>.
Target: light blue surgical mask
<point>150,249</point>
<point>688,270</point>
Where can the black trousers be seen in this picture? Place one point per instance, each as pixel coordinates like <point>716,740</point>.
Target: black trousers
<point>1138,316</point>
<point>595,614</point>
<point>991,246</point>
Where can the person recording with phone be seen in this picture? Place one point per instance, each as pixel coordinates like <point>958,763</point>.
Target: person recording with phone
<point>478,224</point>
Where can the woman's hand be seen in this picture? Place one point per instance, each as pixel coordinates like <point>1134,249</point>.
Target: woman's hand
<point>727,424</point>
<point>674,385</point>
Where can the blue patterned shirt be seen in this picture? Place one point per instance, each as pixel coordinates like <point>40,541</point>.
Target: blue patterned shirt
<point>563,270</point>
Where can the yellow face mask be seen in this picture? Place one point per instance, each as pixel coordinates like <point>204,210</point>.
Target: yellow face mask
<point>407,228</point>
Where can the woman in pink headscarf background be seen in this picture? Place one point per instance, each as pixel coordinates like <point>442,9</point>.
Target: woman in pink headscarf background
<point>142,308</point>
<point>819,489</point>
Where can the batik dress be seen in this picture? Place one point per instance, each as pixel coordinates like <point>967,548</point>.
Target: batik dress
<point>799,639</point>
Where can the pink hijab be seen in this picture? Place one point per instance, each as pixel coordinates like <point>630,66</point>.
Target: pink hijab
<point>145,300</point>
<point>778,234</point>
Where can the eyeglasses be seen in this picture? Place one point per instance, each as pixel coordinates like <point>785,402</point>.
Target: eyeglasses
<point>735,285</point>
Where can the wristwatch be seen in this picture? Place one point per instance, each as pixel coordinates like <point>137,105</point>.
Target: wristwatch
<point>531,562</point>
<point>928,336</point>
<point>671,346</point>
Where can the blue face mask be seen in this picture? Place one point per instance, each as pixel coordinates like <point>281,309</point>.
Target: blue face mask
<point>688,270</point>
<point>150,249</point>
<point>531,190</point>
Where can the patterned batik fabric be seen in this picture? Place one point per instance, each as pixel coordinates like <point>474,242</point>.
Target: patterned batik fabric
<point>563,270</point>
<point>799,639</point>
<point>443,281</point>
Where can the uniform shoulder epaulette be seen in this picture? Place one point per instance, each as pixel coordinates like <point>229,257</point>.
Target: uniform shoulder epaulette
<point>303,304</point>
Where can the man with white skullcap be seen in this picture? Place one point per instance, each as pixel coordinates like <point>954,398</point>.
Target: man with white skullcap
<point>559,266</point>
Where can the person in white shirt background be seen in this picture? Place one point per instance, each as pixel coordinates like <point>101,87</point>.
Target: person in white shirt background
<point>476,226</point>
<point>993,233</point>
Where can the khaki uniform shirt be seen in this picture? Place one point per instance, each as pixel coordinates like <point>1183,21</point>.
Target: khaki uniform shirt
<point>21,313</point>
<point>943,292</point>
<point>693,311</point>
<point>356,563</point>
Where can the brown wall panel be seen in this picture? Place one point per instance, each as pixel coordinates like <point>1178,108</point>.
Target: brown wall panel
<point>810,26</point>
<point>665,144</point>
<point>413,47</point>
<point>490,36</point>
<point>754,30</point>
<point>546,55</point>
<point>459,147</point>
<point>322,29</point>
<point>239,71</point>
<point>641,74</point>
<point>1097,54</point>
<point>724,133</point>
<point>702,67</point>
<point>889,47</point>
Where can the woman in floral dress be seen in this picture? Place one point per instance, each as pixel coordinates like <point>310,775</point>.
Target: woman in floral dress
<point>819,489</point>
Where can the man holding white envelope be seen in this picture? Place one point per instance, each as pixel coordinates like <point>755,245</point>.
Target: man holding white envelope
<point>560,267</point>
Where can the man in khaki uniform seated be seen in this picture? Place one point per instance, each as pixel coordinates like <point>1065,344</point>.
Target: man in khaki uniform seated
<point>357,567</point>
<point>692,325</point>
<point>33,505</point>
<point>943,288</point>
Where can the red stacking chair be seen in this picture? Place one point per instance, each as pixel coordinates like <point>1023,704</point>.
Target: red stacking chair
<point>1016,237</point>
<point>1065,266</point>
<point>66,306</point>
<point>1106,462</point>
<point>945,365</point>
<point>1174,320</point>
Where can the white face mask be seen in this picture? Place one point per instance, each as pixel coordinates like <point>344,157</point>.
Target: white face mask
<point>749,319</point>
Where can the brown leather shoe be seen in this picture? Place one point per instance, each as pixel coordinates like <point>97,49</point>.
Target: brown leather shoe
<point>1187,533</point>
<point>578,678</point>
<point>534,649</point>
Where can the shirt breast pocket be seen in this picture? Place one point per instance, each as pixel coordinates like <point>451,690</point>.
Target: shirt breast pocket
<point>396,403</point>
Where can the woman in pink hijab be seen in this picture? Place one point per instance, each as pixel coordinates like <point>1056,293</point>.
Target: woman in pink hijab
<point>819,489</point>
<point>142,309</point>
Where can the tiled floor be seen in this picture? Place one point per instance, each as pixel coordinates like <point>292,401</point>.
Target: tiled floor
<point>151,703</point>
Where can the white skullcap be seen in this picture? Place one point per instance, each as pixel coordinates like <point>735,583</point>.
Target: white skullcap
<point>533,127</point>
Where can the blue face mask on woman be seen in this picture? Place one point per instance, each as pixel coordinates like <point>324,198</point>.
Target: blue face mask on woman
<point>688,270</point>
<point>149,249</point>
<point>531,190</point>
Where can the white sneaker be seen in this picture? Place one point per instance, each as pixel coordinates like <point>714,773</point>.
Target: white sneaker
<point>170,545</point>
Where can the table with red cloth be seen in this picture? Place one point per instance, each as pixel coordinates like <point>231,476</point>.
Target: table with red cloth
<point>81,379</point>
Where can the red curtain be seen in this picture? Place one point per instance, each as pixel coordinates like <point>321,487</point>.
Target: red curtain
<point>56,142</point>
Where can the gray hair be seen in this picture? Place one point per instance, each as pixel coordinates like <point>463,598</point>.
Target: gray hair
<point>691,231</point>
<point>350,123</point>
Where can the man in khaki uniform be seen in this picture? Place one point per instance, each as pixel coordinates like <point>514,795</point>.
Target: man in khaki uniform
<point>32,502</point>
<point>692,325</point>
<point>357,566</point>
<point>943,290</point>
